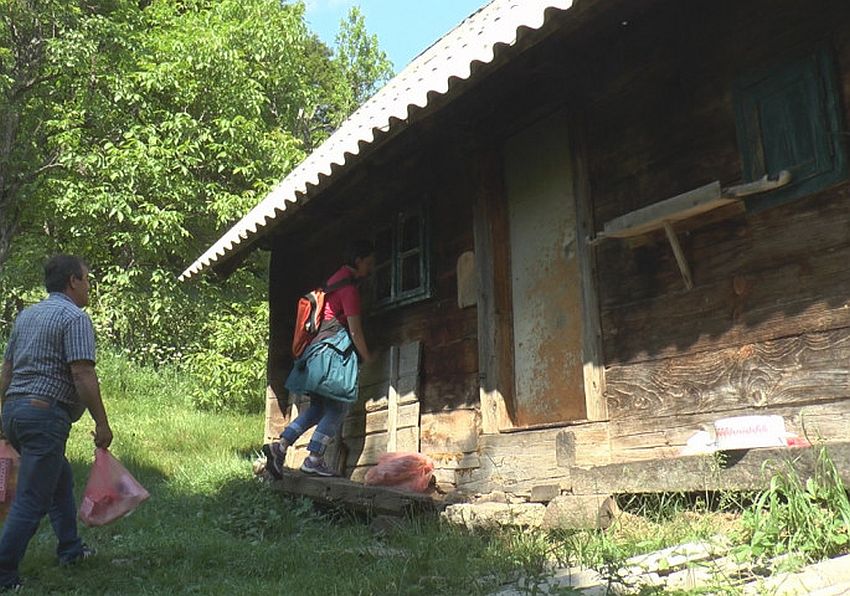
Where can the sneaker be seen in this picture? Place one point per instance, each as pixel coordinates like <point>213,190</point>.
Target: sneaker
<point>86,552</point>
<point>317,466</point>
<point>275,455</point>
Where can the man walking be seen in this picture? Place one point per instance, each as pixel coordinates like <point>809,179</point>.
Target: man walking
<point>48,381</point>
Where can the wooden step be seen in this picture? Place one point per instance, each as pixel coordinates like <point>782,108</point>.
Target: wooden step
<point>340,492</point>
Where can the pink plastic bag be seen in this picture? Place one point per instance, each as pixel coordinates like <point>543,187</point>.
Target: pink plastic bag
<point>403,471</point>
<point>8,476</point>
<point>111,492</point>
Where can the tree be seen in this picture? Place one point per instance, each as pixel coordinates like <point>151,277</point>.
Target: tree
<point>141,131</point>
<point>365,67</point>
<point>31,82</point>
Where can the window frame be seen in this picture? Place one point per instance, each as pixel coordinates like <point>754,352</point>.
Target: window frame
<point>399,297</point>
<point>829,150</point>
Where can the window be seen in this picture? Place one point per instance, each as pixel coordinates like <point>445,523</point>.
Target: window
<point>788,119</point>
<point>402,260</point>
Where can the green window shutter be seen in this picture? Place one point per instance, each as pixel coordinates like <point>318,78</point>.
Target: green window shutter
<point>787,119</point>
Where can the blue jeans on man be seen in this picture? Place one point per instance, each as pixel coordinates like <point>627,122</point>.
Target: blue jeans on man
<point>38,430</point>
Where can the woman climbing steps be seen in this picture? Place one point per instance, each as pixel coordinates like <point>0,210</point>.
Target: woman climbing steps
<point>328,370</point>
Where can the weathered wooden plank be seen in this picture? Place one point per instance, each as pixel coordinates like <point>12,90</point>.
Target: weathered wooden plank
<point>456,357</point>
<point>366,450</point>
<point>409,358</point>
<point>652,217</point>
<point>392,400</point>
<point>515,463</point>
<point>583,445</point>
<point>495,341</point>
<point>678,253</point>
<point>789,299</point>
<point>751,472</point>
<point>596,405</point>
<point>635,439</point>
<point>376,372</point>
<point>379,370</point>
<point>276,417</point>
<point>355,496</point>
<point>376,397</point>
<point>467,280</point>
<point>455,461</point>
<point>806,369</point>
<point>449,392</point>
<point>360,424</point>
<point>720,252</point>
<point>450,432</point>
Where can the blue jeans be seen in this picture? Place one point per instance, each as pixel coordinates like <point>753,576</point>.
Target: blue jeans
<point>326,415</point>
<point>38,431</point>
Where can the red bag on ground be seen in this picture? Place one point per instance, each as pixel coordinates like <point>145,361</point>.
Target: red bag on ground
<point>404,471</point>
<point>111,491</point>
<point>8,476</point>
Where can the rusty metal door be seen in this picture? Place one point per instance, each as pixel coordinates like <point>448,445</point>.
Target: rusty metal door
<point>545,278</point>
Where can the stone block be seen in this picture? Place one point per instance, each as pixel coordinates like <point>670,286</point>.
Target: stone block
<point>580,512</point>
<point>495,515</point>
<point>543,493</point>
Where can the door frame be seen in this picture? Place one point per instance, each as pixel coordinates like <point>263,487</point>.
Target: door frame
<point>491,229</point>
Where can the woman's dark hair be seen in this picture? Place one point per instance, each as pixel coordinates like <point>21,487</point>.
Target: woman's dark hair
<point>358,249</point>
<point>59,270</point>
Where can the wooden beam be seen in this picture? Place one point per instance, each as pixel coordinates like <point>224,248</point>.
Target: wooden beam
<point>495,326</point>
<point>652,217</point>
<point>392,402</point>
<point>596,405</point>
<point>750,470</point>
<point>352,495</point>
<point>681,260</point>
<point>763,184</point>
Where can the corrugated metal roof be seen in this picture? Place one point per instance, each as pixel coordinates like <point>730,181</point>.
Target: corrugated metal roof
<point>430,73</point>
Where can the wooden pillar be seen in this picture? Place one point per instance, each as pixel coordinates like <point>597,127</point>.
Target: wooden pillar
<point>279,358</point>
<point>495,324</point>
<point>592,356</point>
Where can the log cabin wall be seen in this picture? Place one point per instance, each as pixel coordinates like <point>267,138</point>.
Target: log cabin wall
<point>767,326</point>
<point>309,249</point>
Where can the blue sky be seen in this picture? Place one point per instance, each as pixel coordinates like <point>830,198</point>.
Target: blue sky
<point>404,27</point>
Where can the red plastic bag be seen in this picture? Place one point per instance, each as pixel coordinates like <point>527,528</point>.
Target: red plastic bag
<point>111,492</point>
<point>8,476</point>
<point>404,471</point>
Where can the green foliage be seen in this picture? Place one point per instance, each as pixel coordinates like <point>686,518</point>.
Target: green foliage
<point>809,520</point>
<point>146,129</point>
<point>209,528</point>
<point>365,67</point>
<point>234,353</point>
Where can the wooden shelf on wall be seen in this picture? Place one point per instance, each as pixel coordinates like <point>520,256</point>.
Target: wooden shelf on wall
<point>664,214</point>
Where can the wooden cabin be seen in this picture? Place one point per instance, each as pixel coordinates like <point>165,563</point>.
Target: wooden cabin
<point>601,226</point>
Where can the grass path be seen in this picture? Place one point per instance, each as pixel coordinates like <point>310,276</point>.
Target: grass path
<point>209,528</point>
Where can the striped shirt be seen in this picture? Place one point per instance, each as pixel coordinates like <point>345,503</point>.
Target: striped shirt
<point>46,339</point>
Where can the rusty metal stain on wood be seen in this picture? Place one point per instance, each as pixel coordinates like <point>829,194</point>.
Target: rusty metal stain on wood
<point>545,276</point>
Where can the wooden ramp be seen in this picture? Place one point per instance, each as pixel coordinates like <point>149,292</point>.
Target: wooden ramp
<point>340,492</point>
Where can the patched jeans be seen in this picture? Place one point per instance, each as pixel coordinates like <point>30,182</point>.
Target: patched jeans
<point>326,415</point>
<point>38,431</point>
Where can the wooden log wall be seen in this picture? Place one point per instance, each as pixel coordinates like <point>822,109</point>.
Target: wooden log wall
<point>766,327</point>
<point>448,399</point>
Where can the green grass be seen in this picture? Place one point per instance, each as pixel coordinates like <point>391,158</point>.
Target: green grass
<point>210,528</point>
